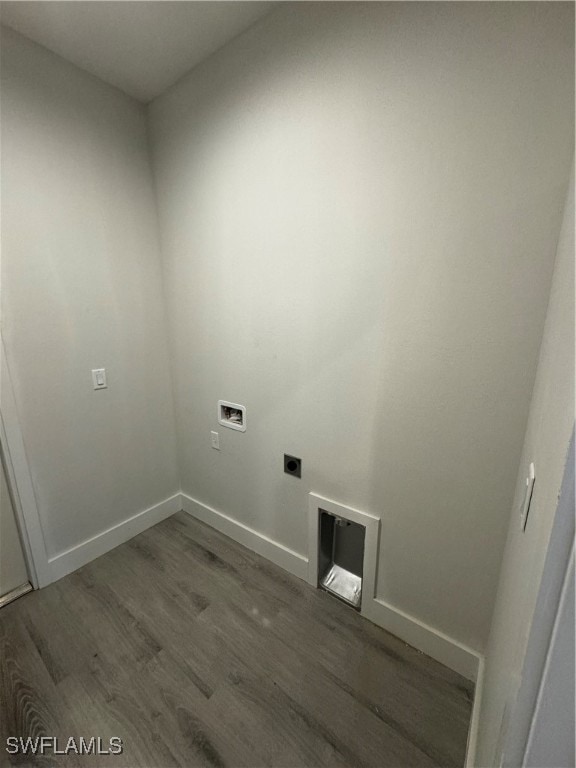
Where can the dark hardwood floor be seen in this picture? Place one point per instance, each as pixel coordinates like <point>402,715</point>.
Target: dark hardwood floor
<point>197,652</point>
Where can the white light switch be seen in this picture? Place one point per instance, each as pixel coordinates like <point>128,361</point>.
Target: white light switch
<point>99,378</point>
<point>215,440</point>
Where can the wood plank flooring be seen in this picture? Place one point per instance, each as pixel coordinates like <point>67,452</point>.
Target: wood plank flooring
<point>197,652</point>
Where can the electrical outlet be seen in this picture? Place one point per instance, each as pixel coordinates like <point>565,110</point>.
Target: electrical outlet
<point>292,465</point>
<point>215,440</point>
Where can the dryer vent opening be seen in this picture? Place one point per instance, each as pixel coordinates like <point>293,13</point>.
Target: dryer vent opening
<point>341,558</point>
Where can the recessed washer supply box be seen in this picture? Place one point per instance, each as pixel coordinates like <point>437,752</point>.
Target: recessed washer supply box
<point>341,558</point>
<point>232,415</point>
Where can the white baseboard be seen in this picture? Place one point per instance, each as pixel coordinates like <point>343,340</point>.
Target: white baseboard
<point>444,649</point>
<point>430,641</point>
<point>291,561</point>
<point>65,562</point>
<point>471,747</point>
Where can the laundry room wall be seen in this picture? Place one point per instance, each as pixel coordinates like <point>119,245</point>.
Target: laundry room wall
<point>359,208</point>
<point>81,289</point>
<point>546,445</point>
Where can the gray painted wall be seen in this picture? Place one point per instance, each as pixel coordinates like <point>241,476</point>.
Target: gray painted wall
<point>359,206</point>
<point>13,572</point>
<point>546,444</point>
<point>81,289</point>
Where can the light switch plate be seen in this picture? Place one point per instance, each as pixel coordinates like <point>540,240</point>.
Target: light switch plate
<point>99,378</point>
<point>215,440</point>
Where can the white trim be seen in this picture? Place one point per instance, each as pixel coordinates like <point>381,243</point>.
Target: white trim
<point>20,480</point>
<point>557,560</point>
<point>65,562</point>
<point>552,695</point>
<point>471,746</point>
<point>286,558</point>
<point>430,641</point>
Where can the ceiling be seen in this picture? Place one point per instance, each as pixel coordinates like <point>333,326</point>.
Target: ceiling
<point>141,47</point>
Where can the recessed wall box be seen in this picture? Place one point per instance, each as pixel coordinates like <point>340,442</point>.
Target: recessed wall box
<point>232,415</point>
<point>292,465</point>
<point>341,558</point>
<point>343,552</point>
